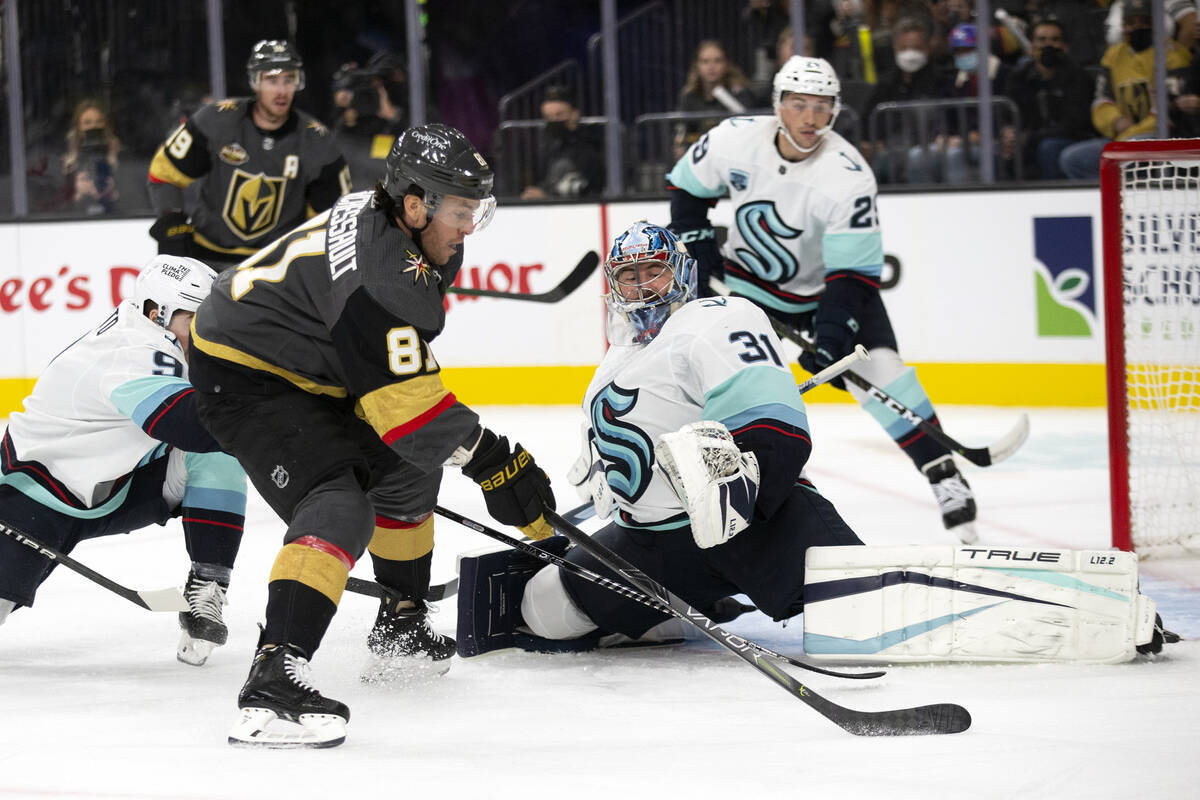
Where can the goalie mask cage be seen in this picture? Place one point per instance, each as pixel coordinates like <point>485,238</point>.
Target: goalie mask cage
<point>1150,204</point>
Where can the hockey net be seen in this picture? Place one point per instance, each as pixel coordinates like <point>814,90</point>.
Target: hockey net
<point>1150,194</point>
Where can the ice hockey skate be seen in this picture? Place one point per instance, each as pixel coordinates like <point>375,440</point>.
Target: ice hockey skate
<point>279,690</point>
<point>403,646</point>
<point>954,497</point>
<point>203,626</point>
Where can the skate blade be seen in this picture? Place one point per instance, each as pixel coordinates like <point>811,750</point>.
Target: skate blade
<point>387,670</point>
<point>314,731</point>
<point>193,651</point>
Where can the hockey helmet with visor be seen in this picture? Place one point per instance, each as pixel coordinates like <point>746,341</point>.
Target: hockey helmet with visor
<point>272,57</point>
<point>173,283</point>
<point>454,179</point>
<point>810,76</point>
<point>650,276</point>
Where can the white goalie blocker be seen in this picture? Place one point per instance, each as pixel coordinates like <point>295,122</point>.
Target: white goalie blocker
<point>922,604</point>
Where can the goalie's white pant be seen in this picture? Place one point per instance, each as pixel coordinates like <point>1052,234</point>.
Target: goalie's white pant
<point>916,603</point>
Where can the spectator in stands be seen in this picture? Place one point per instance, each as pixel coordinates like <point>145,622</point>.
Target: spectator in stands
<point>573,155</point>
<point>1179,18</point>
<point>1083,27</point>
<point>1054,96</point>
<point>962,133</point>
<point>367,125</point>
<point>763,21</point>
<point>1128,113</point>
<point>714,85</point>
<point>90,162</point>
<point>912,76</point>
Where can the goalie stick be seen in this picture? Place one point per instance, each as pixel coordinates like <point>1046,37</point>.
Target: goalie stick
<point>1001,449</point>
<point>575,279</point>
<point>170,599</point>
<point>632,594</point>
<point>921,720</point>
<point>440,591</point>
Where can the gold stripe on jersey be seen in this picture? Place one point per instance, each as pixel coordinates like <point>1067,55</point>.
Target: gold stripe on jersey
<point>398,409</point>
<point>163,171</point>
<point>313,568</point>
<point>403,544</point>
<point>233,355</point>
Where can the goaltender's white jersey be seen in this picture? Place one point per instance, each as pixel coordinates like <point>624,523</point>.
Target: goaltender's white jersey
<point>83,421</point>
<point>714,359</point>
<point>794,222</point>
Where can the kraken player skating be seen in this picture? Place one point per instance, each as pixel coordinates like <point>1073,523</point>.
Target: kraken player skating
<point>806,248</point>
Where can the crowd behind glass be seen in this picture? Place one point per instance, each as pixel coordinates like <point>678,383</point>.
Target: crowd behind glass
<point>1068,75</point>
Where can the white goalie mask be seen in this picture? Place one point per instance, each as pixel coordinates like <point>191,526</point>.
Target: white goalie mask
<point>803,75</point>
<point>173,283</point>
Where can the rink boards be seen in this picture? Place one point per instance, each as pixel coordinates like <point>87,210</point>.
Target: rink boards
<point>995,299</point>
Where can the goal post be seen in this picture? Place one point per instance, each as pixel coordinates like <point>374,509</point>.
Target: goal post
<point>1150,222</point>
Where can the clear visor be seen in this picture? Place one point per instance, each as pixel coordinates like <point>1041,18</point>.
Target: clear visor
<point>462,213</point>
<point>293,78</point>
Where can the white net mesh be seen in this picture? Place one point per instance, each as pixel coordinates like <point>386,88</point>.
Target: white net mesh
<point>1161,265</point>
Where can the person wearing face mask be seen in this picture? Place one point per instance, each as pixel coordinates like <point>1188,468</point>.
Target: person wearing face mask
<point>1054,96</point>
<point>962,146</point>
<point>1123,107</point>
<point>572,155</point>
<point>912,76</point>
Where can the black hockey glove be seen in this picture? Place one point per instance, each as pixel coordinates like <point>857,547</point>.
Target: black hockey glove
<point>515,489</point>
<point>832,342</point>
<point>702,246</point>
<point>173,233</point>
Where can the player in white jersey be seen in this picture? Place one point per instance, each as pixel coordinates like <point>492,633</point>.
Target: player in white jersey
<point>805,246</point>
<point>686,375</point>
<point>110,442</point>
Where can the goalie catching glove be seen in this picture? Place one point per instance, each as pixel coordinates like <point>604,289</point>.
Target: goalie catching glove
<point>716,482</point>
<point>515,489</point>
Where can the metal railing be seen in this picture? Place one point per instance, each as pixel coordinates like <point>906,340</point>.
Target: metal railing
<point>525,102</point>
<point>520,147</point>
<point>928,141</point>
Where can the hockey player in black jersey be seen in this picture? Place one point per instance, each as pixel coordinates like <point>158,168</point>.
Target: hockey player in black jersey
<point>313,366</point>
<point>264,167</point>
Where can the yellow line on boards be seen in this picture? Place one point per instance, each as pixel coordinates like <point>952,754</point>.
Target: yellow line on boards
<point>1080,385</point>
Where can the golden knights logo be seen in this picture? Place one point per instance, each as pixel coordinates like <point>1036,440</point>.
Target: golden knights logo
<point>253,203</point>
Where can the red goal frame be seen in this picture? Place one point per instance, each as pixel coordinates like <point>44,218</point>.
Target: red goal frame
<point>1112,232</point>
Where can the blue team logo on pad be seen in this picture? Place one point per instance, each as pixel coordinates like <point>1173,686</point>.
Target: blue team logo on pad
<point>627,449</point>
<point>738,180</point>
<point>1064,276</point>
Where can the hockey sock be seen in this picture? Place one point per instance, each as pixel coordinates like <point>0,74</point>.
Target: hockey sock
<point>402,555</point>
<point>212,537</point>
<point>306,583</point>
<point>907,389</point>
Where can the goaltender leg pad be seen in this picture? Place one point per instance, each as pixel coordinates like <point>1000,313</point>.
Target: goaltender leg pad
<point>490,586</point>
<point>921,604</point>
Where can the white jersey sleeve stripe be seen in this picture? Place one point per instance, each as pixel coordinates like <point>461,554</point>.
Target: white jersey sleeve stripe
<point>685,178</point>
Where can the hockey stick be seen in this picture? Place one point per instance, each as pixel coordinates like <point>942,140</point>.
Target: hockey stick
<point>585,267</point>
<point>1001,449</point>
<point>155,600</point>
<point>440,591</point>
<point>929,719</point>
<point>625,591</point>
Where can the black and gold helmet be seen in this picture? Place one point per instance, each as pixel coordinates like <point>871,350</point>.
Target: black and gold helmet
<point>273,55</point>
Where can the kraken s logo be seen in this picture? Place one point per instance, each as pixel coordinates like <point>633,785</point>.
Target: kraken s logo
<point>253,203</point>
<point>764,255</point>
<point>626,448</point>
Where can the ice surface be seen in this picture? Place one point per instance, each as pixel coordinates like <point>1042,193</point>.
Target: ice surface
<point>94,705</point>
